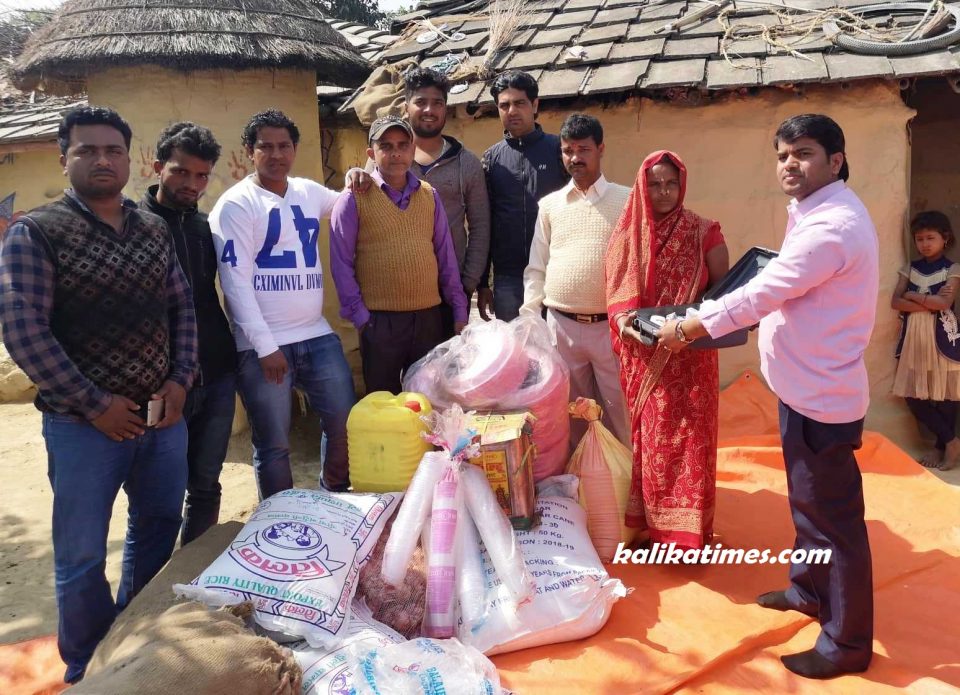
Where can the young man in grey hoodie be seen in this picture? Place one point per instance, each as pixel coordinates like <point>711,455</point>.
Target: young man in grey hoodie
<point>454,171</point>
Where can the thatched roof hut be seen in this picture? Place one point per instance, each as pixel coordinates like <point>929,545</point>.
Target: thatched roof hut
<point>185,35</point>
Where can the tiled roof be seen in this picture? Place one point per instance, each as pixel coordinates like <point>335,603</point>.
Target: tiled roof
<point>369,41</point>
<point>651,45</point>
<point>25,122</point>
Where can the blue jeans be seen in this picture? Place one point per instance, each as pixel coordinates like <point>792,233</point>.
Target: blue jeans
<point>318,367</point>
<point>86,471</point>
<point>507,296</point>
<point>209,414</point>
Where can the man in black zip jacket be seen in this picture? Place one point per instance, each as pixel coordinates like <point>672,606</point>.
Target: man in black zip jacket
<point>186,154</point>
<point>522,168</point>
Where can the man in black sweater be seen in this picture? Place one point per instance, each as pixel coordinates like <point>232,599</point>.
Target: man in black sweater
<point>520,169</point>
<point>186,154</point>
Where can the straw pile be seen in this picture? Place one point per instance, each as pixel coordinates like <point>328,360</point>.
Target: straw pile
<point>185,35</point>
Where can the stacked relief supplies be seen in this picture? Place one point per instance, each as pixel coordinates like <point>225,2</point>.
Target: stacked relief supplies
<point>494,588</point>
<point>296,564</point>
<point>504,367</point>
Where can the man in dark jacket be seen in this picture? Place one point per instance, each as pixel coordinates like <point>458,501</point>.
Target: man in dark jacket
<point>186,154</point>
<point>521,169</point>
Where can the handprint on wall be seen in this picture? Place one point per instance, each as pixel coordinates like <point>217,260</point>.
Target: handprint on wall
<point>238,166</point>
<point>146,161</point>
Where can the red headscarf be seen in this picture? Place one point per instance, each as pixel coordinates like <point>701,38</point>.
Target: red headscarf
<point>630,270</point>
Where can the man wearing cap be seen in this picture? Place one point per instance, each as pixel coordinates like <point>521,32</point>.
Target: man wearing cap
<point>392,259</point>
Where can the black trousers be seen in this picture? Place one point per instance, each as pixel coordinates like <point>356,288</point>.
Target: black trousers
<point>940,417</point>
<point>394,340</point>
<point>826,501</point>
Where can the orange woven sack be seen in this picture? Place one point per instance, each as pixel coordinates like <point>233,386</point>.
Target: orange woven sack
<point>604,467</point>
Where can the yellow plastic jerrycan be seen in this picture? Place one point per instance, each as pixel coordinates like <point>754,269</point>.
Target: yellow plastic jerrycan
<point>383,436</point>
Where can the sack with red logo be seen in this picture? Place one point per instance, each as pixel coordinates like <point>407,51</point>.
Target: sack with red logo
<point>298,560</point>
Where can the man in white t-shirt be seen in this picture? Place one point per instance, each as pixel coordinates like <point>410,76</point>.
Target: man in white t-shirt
<point>265,229</point>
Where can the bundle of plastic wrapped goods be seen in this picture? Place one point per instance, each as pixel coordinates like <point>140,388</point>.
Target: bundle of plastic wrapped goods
<point>445,491</point>
<point>574,594</point>
<point>604,467</point>
<point>328,671</point>
<point>424,667</point>
<point>489,363</point>
<point>298,559</point>
<point>426,374</point>
<point>545,392</point>
<point>503,366</point>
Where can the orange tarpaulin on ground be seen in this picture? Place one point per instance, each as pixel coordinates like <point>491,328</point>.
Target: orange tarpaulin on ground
<point>697,629</point>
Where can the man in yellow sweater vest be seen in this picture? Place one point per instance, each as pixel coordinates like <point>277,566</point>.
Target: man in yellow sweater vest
<point>392,257</point>
<point>565,272</point>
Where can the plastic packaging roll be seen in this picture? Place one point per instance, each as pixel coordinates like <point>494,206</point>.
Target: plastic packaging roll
<point>410,518</point>
<point>497,534</point>
<point>470,584</point>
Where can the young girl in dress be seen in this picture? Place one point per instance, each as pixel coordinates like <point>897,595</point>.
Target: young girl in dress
<point>928,372</point>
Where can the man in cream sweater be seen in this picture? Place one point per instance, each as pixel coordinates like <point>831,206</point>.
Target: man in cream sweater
<point>565,272</point>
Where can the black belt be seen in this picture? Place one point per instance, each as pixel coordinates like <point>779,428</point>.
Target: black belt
<point>583,318</point>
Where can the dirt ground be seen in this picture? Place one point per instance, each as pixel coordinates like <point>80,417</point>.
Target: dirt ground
<point>27,604</point>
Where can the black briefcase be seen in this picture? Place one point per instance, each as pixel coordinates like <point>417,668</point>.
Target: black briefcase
<point>742,272</point>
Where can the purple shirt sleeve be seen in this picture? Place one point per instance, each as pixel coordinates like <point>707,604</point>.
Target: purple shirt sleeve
<point>344,228</point>
<point>450,285</point>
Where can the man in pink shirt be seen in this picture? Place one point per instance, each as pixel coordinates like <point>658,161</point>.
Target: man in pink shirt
<point>815,305</point>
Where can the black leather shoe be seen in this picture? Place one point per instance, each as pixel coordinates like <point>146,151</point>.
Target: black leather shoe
<point>812,664</point>
<point>777,600</point>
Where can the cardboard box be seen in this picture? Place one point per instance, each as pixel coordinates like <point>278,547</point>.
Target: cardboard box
<point>506,457</point>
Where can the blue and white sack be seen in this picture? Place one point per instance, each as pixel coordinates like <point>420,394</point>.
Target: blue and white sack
<point>298,560</point>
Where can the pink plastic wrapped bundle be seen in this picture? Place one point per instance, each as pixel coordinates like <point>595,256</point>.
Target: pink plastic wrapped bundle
<point>488,365</point>
<point>545,392</point>
<point>439,618</point>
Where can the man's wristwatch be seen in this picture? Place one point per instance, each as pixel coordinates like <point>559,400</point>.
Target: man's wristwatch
<point>680,334</point>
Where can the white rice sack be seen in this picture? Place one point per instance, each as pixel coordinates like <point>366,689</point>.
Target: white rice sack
<point>298,560</point>
<point>424,667</point>
<point>574,594</point>
<point>327,671</point>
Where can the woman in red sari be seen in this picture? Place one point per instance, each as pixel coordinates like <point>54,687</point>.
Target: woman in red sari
<point>662,254</point>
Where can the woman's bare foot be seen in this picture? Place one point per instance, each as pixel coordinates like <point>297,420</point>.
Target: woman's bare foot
<point>951,456</point>
<point>934,459</point>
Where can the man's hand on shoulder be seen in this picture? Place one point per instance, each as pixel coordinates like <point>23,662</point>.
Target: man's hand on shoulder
<point>357,180</point>
<point>274,367</point>
<point>120,421</point>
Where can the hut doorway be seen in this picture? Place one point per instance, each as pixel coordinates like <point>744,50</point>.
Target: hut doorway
<point>935,160</point>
